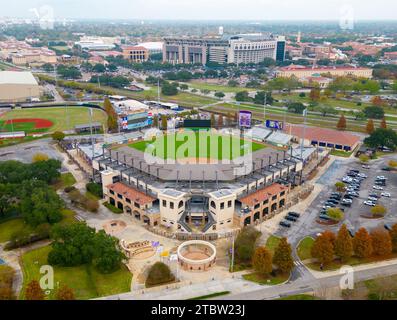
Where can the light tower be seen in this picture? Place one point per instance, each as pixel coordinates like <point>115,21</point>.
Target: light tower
<point>220,31</point>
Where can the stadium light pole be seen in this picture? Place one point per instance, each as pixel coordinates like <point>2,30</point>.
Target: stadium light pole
<point>304,132</point>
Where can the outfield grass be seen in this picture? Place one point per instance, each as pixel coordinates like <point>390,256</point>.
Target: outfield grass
<point>86,282</point>
<point>197,145</point>
<point>304,248</point>
<point>62,118</point>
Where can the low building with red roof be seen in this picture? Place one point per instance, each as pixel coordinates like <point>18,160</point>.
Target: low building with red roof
<point>322,137</point>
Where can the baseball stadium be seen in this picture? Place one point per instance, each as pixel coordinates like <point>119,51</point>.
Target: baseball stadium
<point>198,182</point>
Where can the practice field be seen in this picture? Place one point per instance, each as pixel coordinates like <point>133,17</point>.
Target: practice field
<point>48,119</point>
<point>199,145</point>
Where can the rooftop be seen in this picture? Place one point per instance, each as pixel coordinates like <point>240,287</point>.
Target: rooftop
<point>17,77</point>
<point>131,193</point>
<point>323,135</point>
<point>262,194</point>
<point>294,67</point>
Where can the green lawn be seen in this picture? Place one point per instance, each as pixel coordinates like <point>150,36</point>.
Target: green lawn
<point>342,154</point>
<point>270,280</point>
<point>299,297</point>
<point>197,145</point>
<point>66,180</point>
<point>62,118</point>
<point>11,227</point>
<point>304,248</point>
<point>272,243</point>
<point>86,282</point>
<point>214,87</point>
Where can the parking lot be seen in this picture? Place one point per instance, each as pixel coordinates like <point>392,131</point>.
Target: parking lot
<point>307,224</point>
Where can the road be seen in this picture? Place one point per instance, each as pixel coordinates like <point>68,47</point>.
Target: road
<point>304,286</point>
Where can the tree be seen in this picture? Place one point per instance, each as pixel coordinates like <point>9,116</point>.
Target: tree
<point>232,83</point>
<point>38,157</point>
<point>159,273</point>
<point>370,128</point>
<point>33,291</point>
<point>382,138</point>
<point>242,96</point>
<point>341,125</point>
<point>112,120</point>
<point>155,122</point>
<point>315,94</point>
<point>99,68</point>
<point>220,121</point>
<point>378,211</point>
<point>363,158</point>
<point>381,242</point>
<point>164,122</point>
<point>374,112</point>
<point>283,256</point>
<point>58,136</point>
<point>107,257</point>
<point>340,186</point>
<point>296,107</point>
<point>262,261</point>
<point>383,124</point>
<point>335,214</point>
<point>219,95</point>
<point>343,244</point>
<point>212,120</point>
<point>183,86</point>
<point>245,245</point>
<point>323,248</point>
<point>65,293</point>
<point>169,89</point>
<point>393,236</point>
<point>362,244</point>
<point>392,164</point>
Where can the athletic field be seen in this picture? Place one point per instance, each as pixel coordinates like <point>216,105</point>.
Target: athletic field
<point>198,144</point>
<point>48,119</point>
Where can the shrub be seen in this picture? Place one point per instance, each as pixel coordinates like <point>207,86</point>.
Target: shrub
<point>95,189</point>
<point>159,274</point>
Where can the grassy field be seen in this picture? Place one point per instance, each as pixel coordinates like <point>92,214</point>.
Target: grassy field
<point>269,280</point>
<point>272,243</point>
<point>304,248</point>
<point>11,227</point>
<point>86,282</point>
<point>214,87</point>
<point>62,118</point>
<point>197,145</point>
<point>66,180</point>
<point>17,225</point>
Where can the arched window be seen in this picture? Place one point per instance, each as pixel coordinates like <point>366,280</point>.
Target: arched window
<point>180,205</point>
<point>213,205</point>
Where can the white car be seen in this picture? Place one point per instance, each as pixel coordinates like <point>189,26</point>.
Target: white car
<point>386,194</point>
<point>366,167</point>
<point>377,188</point>
<point>372,199</point>
<point>381,178</point>
<point>369,203</point>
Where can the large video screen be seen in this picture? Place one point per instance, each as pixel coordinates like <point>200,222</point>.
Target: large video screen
<point>274,124</point>
<point>189,123</point>
<point>245,119</point>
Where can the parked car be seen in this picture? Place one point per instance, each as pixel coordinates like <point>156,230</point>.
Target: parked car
<point>285,224</point>
<point>324,217</point>
<point>386,194</point>
<point>377,188</point>
<point>366,167</point>
<point>369,203</point>
<point>373,199</point>
<point>387,227</point>
<point>292,219</point>
<point>294,214</point>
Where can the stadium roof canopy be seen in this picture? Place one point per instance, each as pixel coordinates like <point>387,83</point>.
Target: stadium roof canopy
<point>17,77</point>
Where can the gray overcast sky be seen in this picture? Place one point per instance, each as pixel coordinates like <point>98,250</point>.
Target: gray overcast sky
<point>207,9</point>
